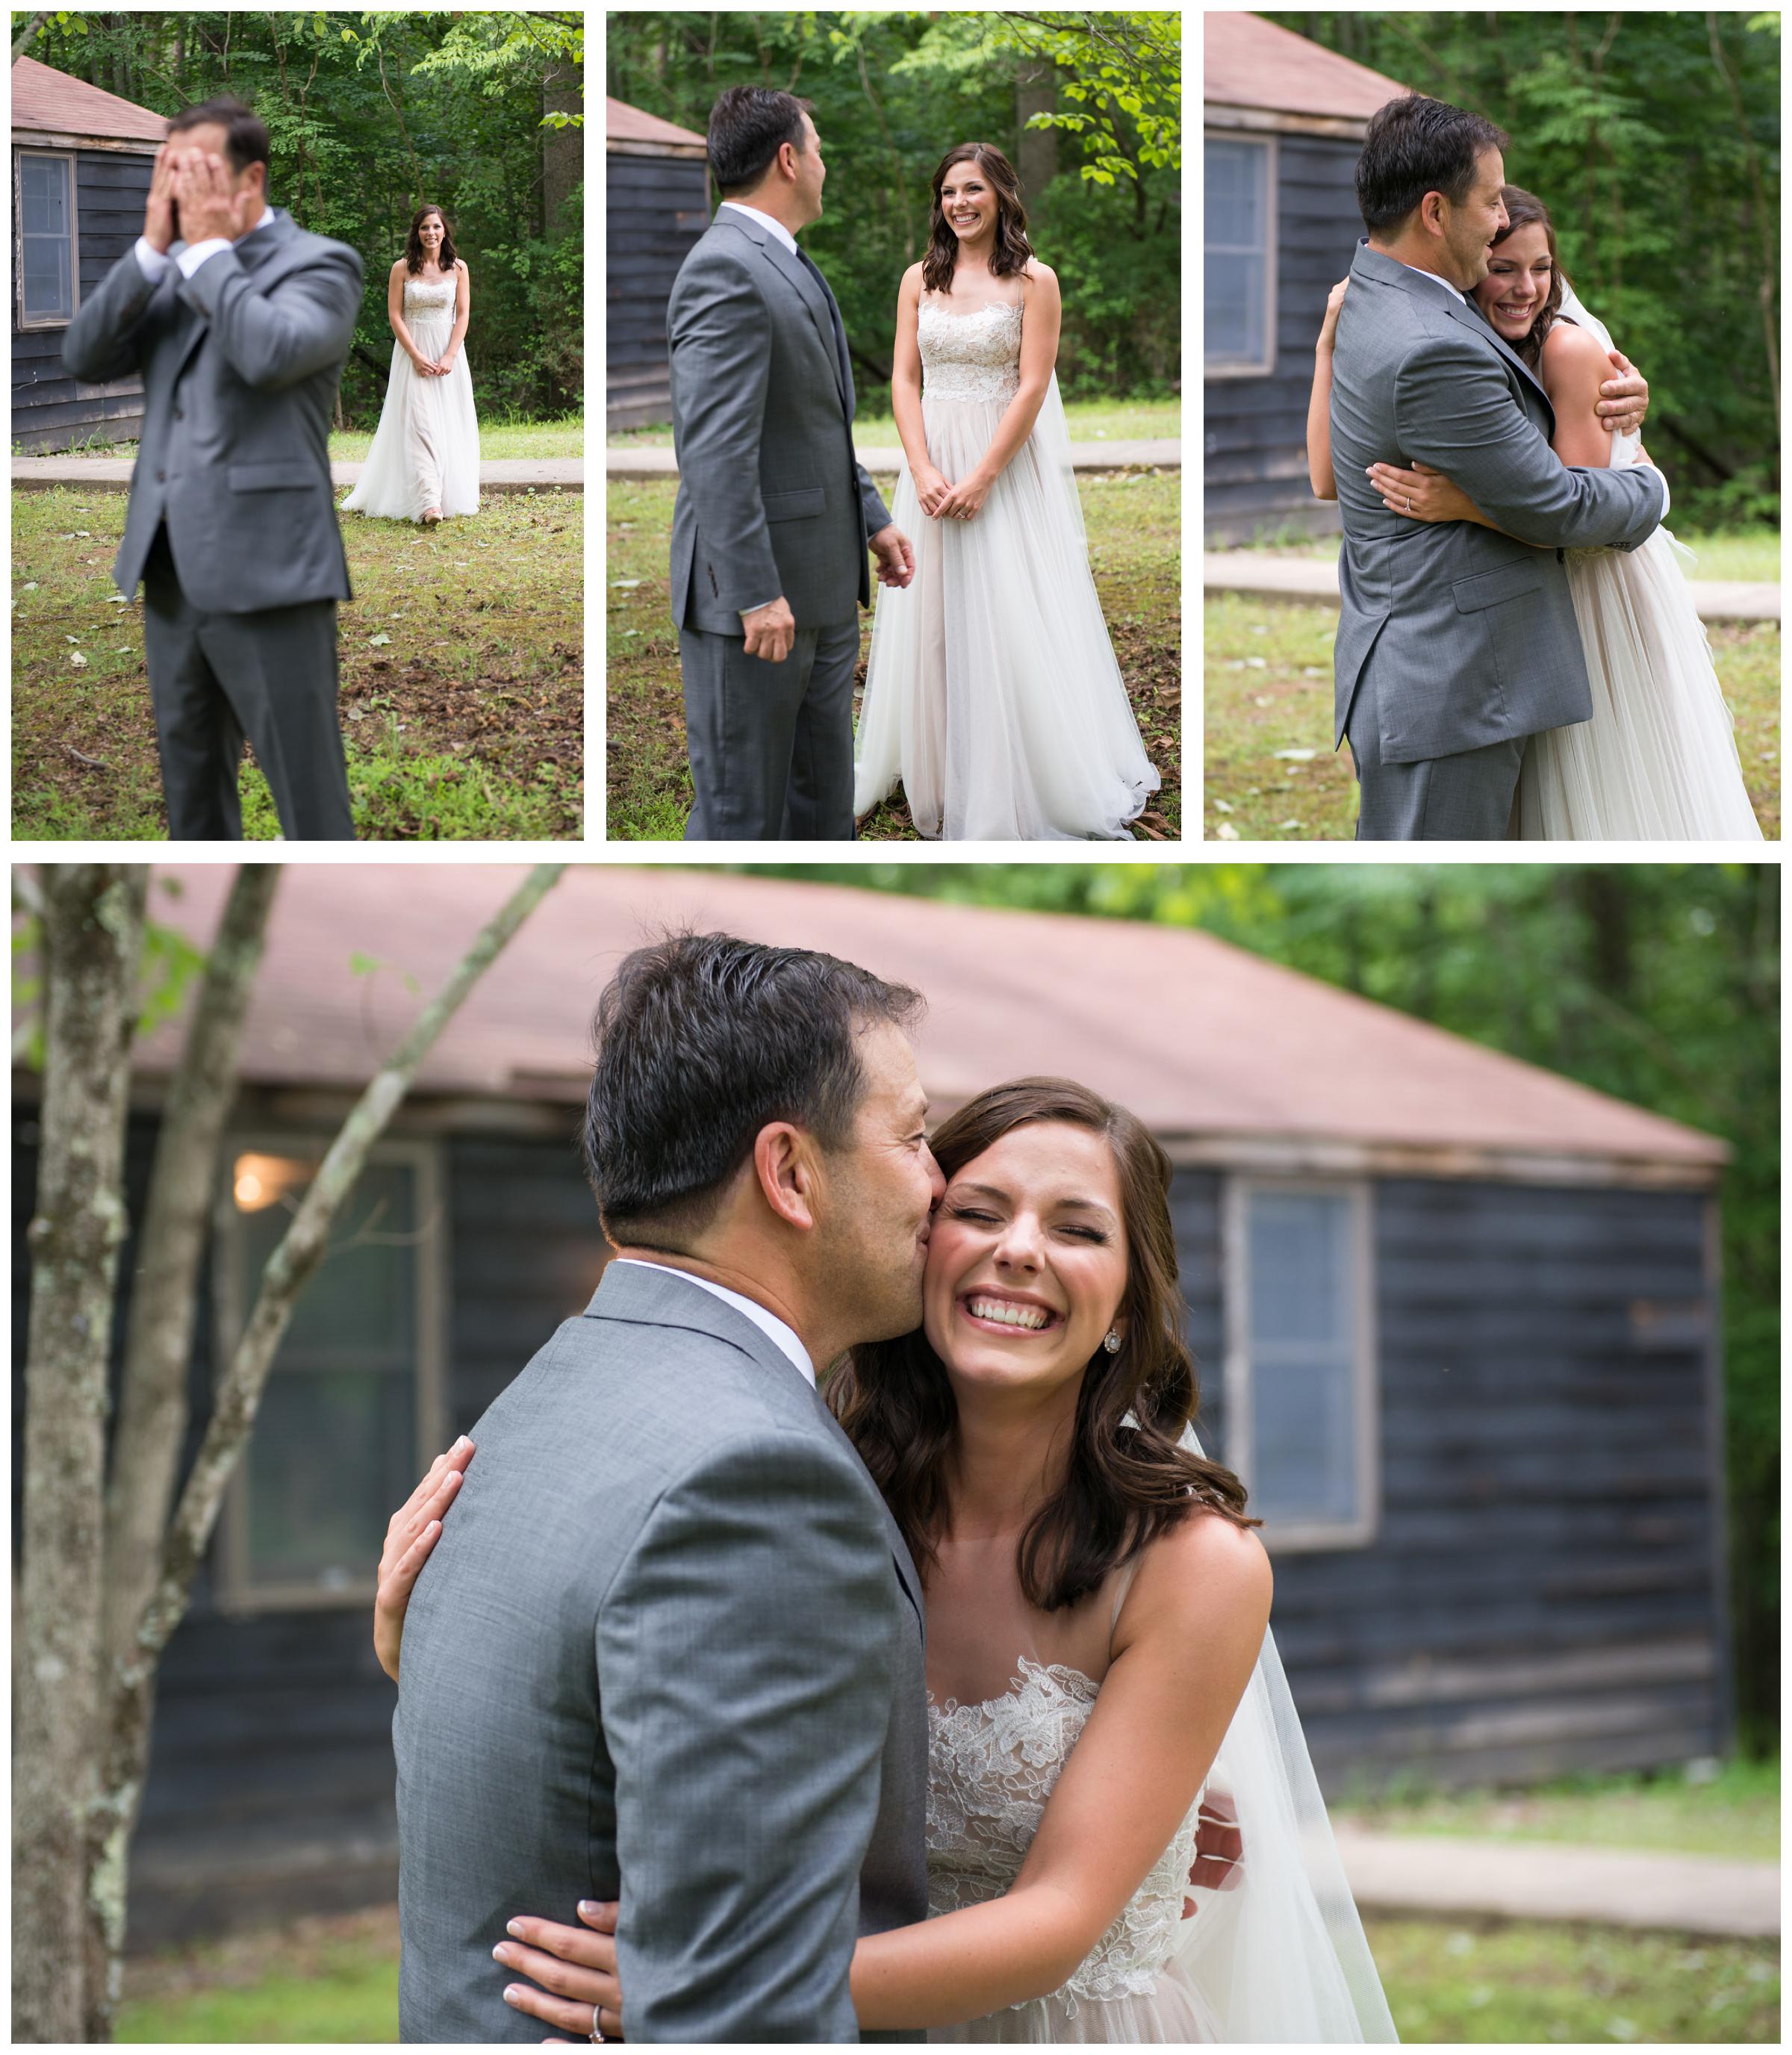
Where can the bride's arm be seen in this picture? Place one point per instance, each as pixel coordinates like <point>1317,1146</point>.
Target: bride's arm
<point>1319,403</point>
<point>463,306</point>
<point>1039,330</point>
<point>395,314</point>
<point>1189,1637</point>
<point>905,394</point>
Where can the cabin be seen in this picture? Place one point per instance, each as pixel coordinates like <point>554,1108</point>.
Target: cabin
<point>81,161</point>
<point>656,187</point>
<point>1283,122</point>
<point>1456,1317</point>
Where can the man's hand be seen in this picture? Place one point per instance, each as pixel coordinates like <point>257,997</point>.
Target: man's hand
<point>1623,400</point>
<point>1219,1847</point>
<point>896,556</point>
<point>771,630</point>
<point>209,207</point>
<point>159,213</point>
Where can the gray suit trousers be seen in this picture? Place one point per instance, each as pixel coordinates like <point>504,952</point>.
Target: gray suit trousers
<point>770,744</point>
<point>1467,797</point>
<point>214,678</point>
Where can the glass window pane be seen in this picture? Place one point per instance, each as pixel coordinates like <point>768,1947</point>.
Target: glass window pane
<point>1237,250</point>
<point>43,193</point>
<point>1304,1450</point>
<point>44,276</point>
<point>332,1453</point>
<point>1298,1256</point>
<point>45,241</point>
<point>1235,308</point>
<point>359,1308</point>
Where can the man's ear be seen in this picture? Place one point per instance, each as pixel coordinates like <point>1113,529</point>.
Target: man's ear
<point>785,1164</point>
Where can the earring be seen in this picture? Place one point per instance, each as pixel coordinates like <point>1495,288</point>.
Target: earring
<point>1111,1341</point>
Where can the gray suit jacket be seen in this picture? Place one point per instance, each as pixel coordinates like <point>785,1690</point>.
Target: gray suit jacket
<point>1453,636</point>
<point>667,1649</point>
<point>240,366</point>
<point>771,498</point>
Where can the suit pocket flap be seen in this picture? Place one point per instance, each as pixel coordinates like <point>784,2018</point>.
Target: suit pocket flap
<point>268,477</point>
<point>798,506</point>
<point>1510,582</point>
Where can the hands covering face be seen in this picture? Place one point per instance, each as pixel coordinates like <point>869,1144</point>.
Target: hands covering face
<point>194,194</point>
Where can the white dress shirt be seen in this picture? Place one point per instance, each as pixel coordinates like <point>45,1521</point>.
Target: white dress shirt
<point>154,263</point>
<point>768,1323</point>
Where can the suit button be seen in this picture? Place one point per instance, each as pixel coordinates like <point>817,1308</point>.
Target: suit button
<point>179,416</point>
<point>161,478</point>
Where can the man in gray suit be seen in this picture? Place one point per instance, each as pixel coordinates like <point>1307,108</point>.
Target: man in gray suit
<point>775,511</point>
<point>1455,641</point>
<point>240,323</point>
<point>668,1649</point>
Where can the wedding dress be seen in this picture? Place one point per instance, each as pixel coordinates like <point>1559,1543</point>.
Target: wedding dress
<point>992,692</point>
<point>1657,761</point>
<point>426,450</point>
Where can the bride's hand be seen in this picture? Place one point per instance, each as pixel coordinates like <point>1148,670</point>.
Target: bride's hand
<point>964,502</point>
<point>411,1534</point>
<point>1327,328</point>
<point>1421,493</point>
<point>575,1965</point>
<point>930,488</point>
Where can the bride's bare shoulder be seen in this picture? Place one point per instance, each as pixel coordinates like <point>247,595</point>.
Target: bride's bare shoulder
<point>1205,1562</point>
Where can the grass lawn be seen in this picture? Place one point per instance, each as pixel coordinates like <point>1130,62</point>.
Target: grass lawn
<point>1090,420</point>
<point>462,676</point>
<point>1271,775</point>
<point>499,440</point>
<point>1132,519</point>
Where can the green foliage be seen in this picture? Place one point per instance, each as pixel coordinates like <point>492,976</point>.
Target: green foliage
<point>1653,138</point>
<point>369,116</point>
<point>1657,983</point>
<point>892,92</point>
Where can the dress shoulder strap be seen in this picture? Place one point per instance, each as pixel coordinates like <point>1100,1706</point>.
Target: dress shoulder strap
<point>1123,1584</point>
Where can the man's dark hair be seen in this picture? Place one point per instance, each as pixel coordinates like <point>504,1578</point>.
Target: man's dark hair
<point>701,1040</point>
<point>246,137</point>
<point>746,126</point>
<point>1415,146</point>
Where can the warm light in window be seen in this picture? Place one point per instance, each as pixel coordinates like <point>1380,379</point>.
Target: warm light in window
<point>260,1182</point>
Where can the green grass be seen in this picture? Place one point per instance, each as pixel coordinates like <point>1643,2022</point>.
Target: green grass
<point>462,677</point>
<point>1090,420</point>
<point>500,440</point>
<point>1734,1812</point>
<point>1133,524</point>
<point>1267,668</point>
<point>1748,556</point>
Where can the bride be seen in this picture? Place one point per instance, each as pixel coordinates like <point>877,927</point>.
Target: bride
<point>1657,761</point>
<point>992,692</point>
<point>1100,1675</point>
<point>424,463</point>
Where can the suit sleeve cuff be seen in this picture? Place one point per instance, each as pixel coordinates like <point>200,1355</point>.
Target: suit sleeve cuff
<point>746,610</point>
<point>195,253</point>
<point>153,262</point>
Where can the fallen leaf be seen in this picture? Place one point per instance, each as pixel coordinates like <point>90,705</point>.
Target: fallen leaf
<point>378,641</point>
<point>1296,755</point>
<point>76,657</point>
<point>1222,806</point>
<point>1227,832</point>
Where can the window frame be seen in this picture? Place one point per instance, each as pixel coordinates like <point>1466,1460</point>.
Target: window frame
<point>1296,1536</point>
<point>1241,367</point>
<point>235,1591</point>
<point>71,158</point>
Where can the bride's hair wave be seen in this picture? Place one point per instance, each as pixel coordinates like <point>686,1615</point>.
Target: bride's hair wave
<point>413,243</point>
<point>1012,253</point>
<point>1521,209</point>
<point>1127,1481</point>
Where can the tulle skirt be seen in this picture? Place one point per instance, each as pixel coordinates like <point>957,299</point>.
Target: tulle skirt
<point>426,450</point>
<point>1657,761</point>
<point>1174,2013</point>
<point>992,692</point>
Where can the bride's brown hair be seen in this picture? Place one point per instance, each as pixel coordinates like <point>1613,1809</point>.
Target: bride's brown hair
<point>1127,1481</point>
<point>1521,209</point>
<point>1012,253</point>
<point>413,243</point>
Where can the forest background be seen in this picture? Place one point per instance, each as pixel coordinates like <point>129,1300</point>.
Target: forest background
<point>371,115</point>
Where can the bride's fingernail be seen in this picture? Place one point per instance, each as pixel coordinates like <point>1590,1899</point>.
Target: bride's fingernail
<point>511,1993</point>
<point>514,1930</point>
<point>498,1954</point>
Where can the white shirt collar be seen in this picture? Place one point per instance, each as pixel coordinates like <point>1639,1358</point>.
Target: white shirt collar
<point>768,1323</point>
<point>766,221</point>
<point>1422,272</point>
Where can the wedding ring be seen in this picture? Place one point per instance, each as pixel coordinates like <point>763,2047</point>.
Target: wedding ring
<point>597,2033</point>
<point>1409,503</point>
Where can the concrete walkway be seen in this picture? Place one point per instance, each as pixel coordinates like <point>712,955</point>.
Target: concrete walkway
<point>1436,1875</point>
<point>622,460</point>
<point>1263,576</point>
<point>111,474</point>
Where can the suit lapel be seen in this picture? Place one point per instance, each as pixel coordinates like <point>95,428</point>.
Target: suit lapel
<point>1420,286</point>
<point>252,254</point>
<point>813,296</point>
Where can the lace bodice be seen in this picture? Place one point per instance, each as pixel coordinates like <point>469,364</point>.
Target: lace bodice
<point>432,298</point>
<point>991,1768</point>
<point>970,356</point>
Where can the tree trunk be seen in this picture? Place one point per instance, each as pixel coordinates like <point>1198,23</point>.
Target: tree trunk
<point>131,1683</point>
<point>562,149</point>
<point>1036,158</point>
<point>92,933</point>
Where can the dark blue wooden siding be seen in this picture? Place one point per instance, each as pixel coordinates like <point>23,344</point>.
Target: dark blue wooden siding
<point>657,209</point>
<point>1540,1596</point>
<point>50,411</point>
<point>1255,451</point>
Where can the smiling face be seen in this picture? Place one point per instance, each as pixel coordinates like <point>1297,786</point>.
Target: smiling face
<point>1520,271</point>
<point>1469,229</point>
<point>430,232</point>
<point>1027,1263</point>
<point>968,201</point>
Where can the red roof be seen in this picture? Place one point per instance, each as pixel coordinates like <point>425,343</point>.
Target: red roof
<point>1250,62</point>
<point>50,100</point>
<point>1201,1039</point>
<point>623,124</point>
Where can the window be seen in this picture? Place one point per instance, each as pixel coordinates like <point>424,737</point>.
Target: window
<point>1301,1409</point>
<point>1240,316</point>
<point>44,202</point>
<point>352,1404</point>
